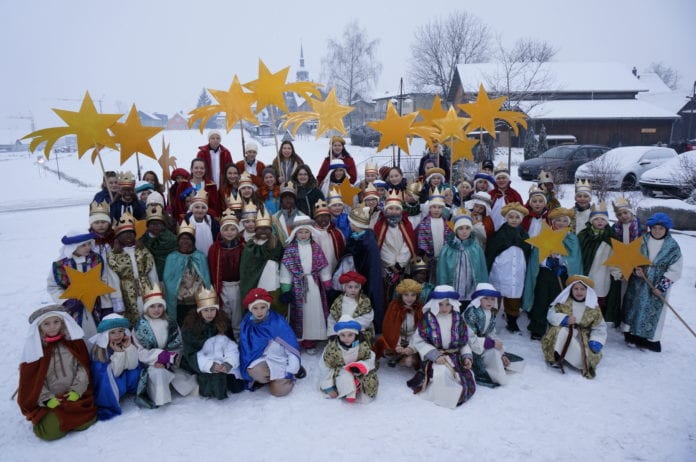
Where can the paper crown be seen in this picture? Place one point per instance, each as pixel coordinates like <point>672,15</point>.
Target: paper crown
<point>436,197</point>
<point>544,177</point>
<point>228,218</point>
<point>414,188</point>
<point>501,169</point>
<point>462,217</point>
<point>126,179</point>
<point>186,228</point>
<point>200,197</point>
<point>152,295</point>
<point>583,185</point>
<point>393,199</point>
<point>561,212</point>
<point>99,211</point>
<point>125,223</point>
<point>320,208</point>
<point>599,210</point>
<point>288,188</point>
<point>536,191</point>
<point>263,219</point>
<point>360,216</point>
<point>334,197</point>
<point>371,167</point>
<point>370,191</point>
<point>245,181</point>
<point>154,212</point>
<point>621,203</point>
<point>206,298</point>
<point>419,264</point>
<point>249,212</point>
<point>234,202</point>
<point>516,207</point>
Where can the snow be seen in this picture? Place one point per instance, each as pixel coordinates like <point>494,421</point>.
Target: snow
<point>673,169</point>
<point>595,109</point>
<point>624,157</point>
<point>640,406</point>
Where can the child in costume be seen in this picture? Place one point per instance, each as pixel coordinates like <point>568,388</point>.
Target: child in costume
<point>131,269</point>
<point>55,391</point>
<point>502,194</point>
<point>545,183</point>
<point>433,232</point>
<point>627,226</point>
<point>337,176</point>
<point>185,271</point>
<point>339,215</point>
<point>435,181</point>
<point>371,174</point>
<point>159,240</point>
<point>224,262</point>
<point>507,255</point>
<point>115,366</point>
<point>100,226</point>
<point>545,280</point>
<point>159,344</point>
<point>248,221</point>
<point>490,359</point>
<point>304,278</point>
<point>583,204</point>
<point>577,331</point>
<point>284,219</point>
<point>420,272</point>
<point>462,263</point>
<point>401,320</point>
<point>270,190</point>
<point>77,253</point>
<point>127,201</point>
<point>268,347</point>
<point>332,241</point>
<point>352,303</point>
<point>209,348</point>
<point>480,207</point>
<point>442,341</point>
<point>348,364</point>
<point>538,212</point>
<point>644,306</point>
<point>207,227</point>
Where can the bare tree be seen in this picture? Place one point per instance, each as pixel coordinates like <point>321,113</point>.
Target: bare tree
<point>350,64</point>
<point>442,43</point>
<point>669,75</point>
<point>600,173</point>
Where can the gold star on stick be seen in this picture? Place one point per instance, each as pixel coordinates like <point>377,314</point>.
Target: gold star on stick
<point>451,126</point>
<point>166,162</point>
<point>133,137</point>
<point>484,112</point>
<point>463,149</point>
<point>549,241</point>
<point>348,192</point>
<point>329,113</point>
<point>86,287</point>
<point>268,88</point>
<point>626,257</point>
<point>395,129</point>
<point>90,127</point>
<point>235,103</point>
<point>429,116</point>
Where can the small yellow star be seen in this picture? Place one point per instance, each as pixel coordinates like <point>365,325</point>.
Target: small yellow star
<point>395,129</point>
<point>429,116</point>
<point>626,257</point>
<point>463,149</point>
<point>86,287</point>
<point>133,137</point>
<point>348,192</point>
<point>235,103</point>
<point>549,241</point>
<point>451,126</point>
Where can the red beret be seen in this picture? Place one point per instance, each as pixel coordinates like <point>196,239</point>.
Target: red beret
<point>180,172</point>
<point>352,276</point>
<point>255,295</point>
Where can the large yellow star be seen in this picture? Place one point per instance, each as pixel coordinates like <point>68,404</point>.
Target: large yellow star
<point>463,149</point>
<point>429,116</point>
<point>235,103</point>
<point>86,287</point>
<point>140,228</point>
<point>269,88</point>
<point>166,162</point>
<point>348,192</point>
<point>483,111</point>
<point>90,127</point>
<point>395,129</point>
<point>451,126</point>
<point>549,241</point>
<point>329,113</point>
<point>626,257</point>
<point>133,137</point>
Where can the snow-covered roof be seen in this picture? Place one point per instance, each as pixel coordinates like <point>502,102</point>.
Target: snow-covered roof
<point>394,92</point>
<point>559,77</point>
<point>653,82</point>
<point>670,101</point>
<point>595,109</point>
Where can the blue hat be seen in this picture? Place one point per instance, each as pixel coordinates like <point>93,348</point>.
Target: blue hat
<point>347,323</point>
<point>660,218</point>
<point>483,176</point>
<point>113,321</point>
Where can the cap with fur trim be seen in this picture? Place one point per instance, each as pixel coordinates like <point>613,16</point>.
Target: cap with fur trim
<point>339,139</point>
<point>251,146</point>
<point>409,285</point>
<point>256,295</point>
<point>462,218</point>
<point>561,212</point>
<point>579,277</point>
<point>352,276</point>
<point>514,207</point>
<point>435,171</point>
<point>480,198</point>
<point>112,321</point>
<point>214,132</point>
<point>180,172</point>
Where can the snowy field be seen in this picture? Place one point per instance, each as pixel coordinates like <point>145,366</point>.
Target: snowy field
<point>641,406</point>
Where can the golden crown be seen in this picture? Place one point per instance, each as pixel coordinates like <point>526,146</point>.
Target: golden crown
<point>544,177</point>
<point>263,219</point>
<point>186,227</point>
<point>583,185</point>
<point>501,168</point>
<point>206,298</point>
<point>249,211</point>
<point>334,197</point>
<point>234,202</point>
<point>125,223</point>
<point>245,180</point>
<point>415,188</point>
<point>201,196</point>
<point>360,216</point>
<point>99,208</point>
<point>536,190</point>
<point>288,188</point>
<point>418,264</point>
<point>154,212</point>
<point>514,206</point>
<point>393,198</point>
<point>621,203</point>
<point>321,207</point>
<point>371,167</point>
<point>228,218</point>
<point>600,208</point>
<point>151,292</point>
<point>126,179</point>
<point>370,190</point>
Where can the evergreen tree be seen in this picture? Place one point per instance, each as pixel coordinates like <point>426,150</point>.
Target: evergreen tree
<point>543,142</point>
<point>204,99</point>
<point>531,146</point>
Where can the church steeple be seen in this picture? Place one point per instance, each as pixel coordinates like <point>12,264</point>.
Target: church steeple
<point>302,75</point>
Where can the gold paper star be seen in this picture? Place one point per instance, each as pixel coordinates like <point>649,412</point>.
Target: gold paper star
<point>549,241</point>
<point>133,137</point>
<point>269,88</point>
<point>90,127</point>
<point>463,149</point>
<point>140,228</point>
<point>348,192</point>
<point>429,116</point>
<point>329,113</point>
<point>86,287</point>
<point>626,257</point>
<point>451,126</point>
<point>166,162</point>
<point>235,103</point>
<point>395,129</point>
<point>483,111</point>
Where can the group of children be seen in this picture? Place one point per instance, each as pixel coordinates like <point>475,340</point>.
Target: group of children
<point>218,301</point>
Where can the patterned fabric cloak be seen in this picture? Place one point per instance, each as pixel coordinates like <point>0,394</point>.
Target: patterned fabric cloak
<point>146,337</point>
<point>131,288</point>
<point>334,361</point>
<point>448,263</point>
<point>174,268</point>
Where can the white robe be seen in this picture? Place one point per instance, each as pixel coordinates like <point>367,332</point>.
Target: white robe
<point>492,358</point>
<point>280,362</point>
<point>219,349</point>
<point>507,272</point>
<point>394,250</point>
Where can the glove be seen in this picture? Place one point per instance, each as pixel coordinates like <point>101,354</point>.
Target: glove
<point>552,263</point>
<point>564,323</point>
<point>664,285</point>
<point>166,357</point>
<point>52,403</point>
<point>356,368</point>
<point>287,297</point>
<point>595,346</point>
<point>73,396</point>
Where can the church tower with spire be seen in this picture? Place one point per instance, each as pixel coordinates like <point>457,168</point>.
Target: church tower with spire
<point>302,75</point>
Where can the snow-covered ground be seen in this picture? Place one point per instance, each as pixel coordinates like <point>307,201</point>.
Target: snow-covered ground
<point>640,406</point>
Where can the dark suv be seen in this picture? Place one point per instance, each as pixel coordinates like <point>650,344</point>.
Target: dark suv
<point>560,161</point>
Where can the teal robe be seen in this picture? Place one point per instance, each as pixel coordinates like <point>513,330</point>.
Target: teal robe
<point>174,268</point>
<point>448,261</point>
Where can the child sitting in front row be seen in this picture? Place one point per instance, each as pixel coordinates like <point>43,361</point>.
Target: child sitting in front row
<point>348,364</point>
<point>114,361</point>
<point>403,316</point>
<point>353,303</point>
<point>55,399</point>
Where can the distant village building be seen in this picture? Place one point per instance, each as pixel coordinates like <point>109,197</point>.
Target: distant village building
<point>177,122</point>
<point>153,119</point>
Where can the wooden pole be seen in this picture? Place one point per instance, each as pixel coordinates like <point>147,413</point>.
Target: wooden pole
<point>661,297</point>
<point>97,150</point>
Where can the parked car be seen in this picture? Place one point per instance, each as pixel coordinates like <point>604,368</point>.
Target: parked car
<point>620,168</point>
<point>561,161</point>
<point>684,145</point>
<point>364,135</point>
<point>674,178</point>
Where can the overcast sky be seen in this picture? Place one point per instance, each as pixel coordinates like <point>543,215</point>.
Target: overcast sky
<point>160,54</point>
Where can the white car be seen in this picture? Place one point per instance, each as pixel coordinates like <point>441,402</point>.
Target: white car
<point>675,178</point>
<point>621,168</point>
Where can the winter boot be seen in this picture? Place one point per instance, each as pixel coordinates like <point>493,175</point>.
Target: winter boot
<point>512,323</point>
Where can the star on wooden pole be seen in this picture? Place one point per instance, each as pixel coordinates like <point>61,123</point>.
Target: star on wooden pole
<point>395,129</point>
<point>86,287</point>
<point>485,111</point>
<point>133,137</point>
<point>235,103</point>
<point>626,257</point>
<point>328,113</point>
<point>549,241</point>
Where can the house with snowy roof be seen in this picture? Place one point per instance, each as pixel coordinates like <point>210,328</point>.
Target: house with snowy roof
<point>597,102</point>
